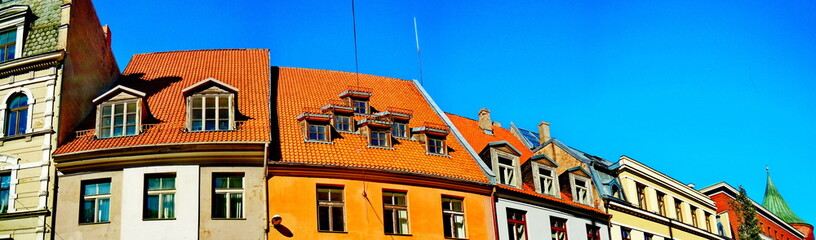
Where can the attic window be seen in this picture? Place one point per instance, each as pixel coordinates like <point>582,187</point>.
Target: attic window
<point>315,125</point>
<point>436,146</point>
<point>433,136</point>
<point>507,171</point>
<point>360,106</point>
<point>580,190</point>
<point>210,106</point>
<point>357,98</point>
<point>316,132</point>
<point>343,123</point>
<point>545,180</point>
<point>119,112</point>
<point>380,138</point>
<point>399,117</point>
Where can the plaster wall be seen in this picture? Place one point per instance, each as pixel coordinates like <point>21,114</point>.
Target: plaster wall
<point>185,224</point>
<point>253,225</point>
<point>70,197</point>
<point>538,221</point>
<point>629,181</point>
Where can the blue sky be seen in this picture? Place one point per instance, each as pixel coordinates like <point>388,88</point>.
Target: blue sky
<point>704,91</point>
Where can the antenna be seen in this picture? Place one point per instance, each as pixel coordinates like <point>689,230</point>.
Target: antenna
<point>419,54</point>
<point>356,61</point>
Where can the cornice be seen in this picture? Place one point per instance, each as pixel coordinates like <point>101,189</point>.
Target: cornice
<point>9,67</point>
<point>627,164</point>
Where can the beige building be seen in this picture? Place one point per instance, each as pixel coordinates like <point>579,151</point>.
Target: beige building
<point>41,42</point>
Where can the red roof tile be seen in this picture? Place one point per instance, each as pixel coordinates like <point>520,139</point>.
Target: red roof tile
<point>530,190</point>
<point>162,76</point>
<point>308,88</point>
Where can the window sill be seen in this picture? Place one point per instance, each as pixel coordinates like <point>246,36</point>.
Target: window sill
<point>228,219</point>
<point>93,223</point>
<point>317,141</point>
<point>324,231</point>
<point>399,234</point>
<point>381,147</point>
<point>199,131</point>
<point>157,219</point>
<point>100,138</point>
<point>441,155</point>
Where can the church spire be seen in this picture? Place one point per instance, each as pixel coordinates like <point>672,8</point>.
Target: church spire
<point>773,202</point>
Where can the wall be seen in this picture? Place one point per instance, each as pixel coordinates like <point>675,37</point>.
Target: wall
<point>769,228</point>
<point>629,180</point>
<point>294,198</point>
<point>538,221</point>
<point>184,226</point>
<point>254,222</point>
<point>67,224</point>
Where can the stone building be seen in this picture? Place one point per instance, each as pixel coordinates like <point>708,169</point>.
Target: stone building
<point>54,57</point>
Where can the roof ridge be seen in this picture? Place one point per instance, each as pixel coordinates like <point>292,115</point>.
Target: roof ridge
<point>343,72</point>
<point>204,50</point>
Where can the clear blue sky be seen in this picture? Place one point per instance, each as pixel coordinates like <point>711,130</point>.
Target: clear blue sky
<point>704,91</point>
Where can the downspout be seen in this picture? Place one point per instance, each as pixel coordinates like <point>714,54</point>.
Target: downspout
<point>495,218</point>
<point>609,218</point>
<point>266,189</point>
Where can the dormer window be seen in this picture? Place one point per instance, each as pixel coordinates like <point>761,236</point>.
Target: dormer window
<point>12,28</point>
<point>343,123</point>
<point>378,132</point>
<point>119,112</point>
<point>581,191</point>
<point>360,106</point>
<point>507,171</point>
<point>543,175</point>
<point>210,106</point>
<point>399,129</point>
<point>342,113</point>
<point>379,138</point>
<point>433,136</point>
<point>580,185</point>
<point>316,133</point>
<point>8,45</point>
<point>399,118</point>
<point>315,125</point>
<point>436,145</point>
<point>503,159</point>
<point>357,98</point>
<point>546,180</point>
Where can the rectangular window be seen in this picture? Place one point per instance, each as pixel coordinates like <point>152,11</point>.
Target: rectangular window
<point>399,130</point>
<point>546,181</point>
<point>507,171</point>
<point>581,191</point>
<point>331,216</point>
<point>360,107</point>
<point>516,224</point>
<point>641,192</point>
<point>395,213</point>
<point>118,119</point>
<point>678,209</point>
<point>160,196</point>
<point>228,195</point>
<point>343,123</point>
<point>558,228</point>
<point>95,201</point>
<point>379,138</point>
<point>436,146</point>
<point>593,232</point>
<point>708,222</point>
<point>453,217</point>
<point>661,203</point>
<point>647,236</point>
<point>316,133</point>
<point>8,44</point>
<point>626,234</point>
<point>5,194</point>
<point>694,217</point>
<point>210,112</point>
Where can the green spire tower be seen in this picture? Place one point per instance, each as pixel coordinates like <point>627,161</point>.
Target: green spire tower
<point>774,202</point>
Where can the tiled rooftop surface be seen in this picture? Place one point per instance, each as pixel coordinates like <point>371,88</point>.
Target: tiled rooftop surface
<point>478,139</point>
<point>162,76</point>
<point>299,89</point>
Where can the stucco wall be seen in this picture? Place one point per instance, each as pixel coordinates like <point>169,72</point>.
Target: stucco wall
<point>294,198</point>
<point>67,224</point>
<point>185,224</point>
<point>538,221</point>
<point>254,222</point>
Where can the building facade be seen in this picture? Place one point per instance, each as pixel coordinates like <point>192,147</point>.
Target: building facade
<point>536,196</point>
<point>368,157</point>
<point>175,150</point>
<point>54,57</point>
<point>772,227</point>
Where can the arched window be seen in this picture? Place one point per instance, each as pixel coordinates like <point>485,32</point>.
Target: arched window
<point>17,117</point>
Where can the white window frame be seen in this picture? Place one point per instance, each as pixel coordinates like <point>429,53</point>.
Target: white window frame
<point>397,209</point>
<point>229,192</point>
<point>575,189</point>
<point>96,198</point>
<point>112,104</point>
<point>552,177</point>
<point>514,169</point>
<point>203,96</point>
<point>18,24</point>
<point>161,194</point>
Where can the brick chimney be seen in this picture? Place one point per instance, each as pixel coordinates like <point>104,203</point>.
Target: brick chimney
<point>543,132</point>
<point>484,121</point>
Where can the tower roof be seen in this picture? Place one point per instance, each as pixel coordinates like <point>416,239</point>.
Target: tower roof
<point>774,202</point>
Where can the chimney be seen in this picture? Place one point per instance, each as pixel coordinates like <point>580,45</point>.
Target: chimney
<point>106,30</point>
<point>484,121</point>
<point>543,132</point>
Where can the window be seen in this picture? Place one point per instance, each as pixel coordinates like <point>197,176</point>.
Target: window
<point>95,201</point>
<point>558,228</point>
<point>453,217</point>
<point>118,119</point>
<point>211,112</point>
<point>546,181</point>
<point>379,138</point>
<point>694,217</point>
<point>395,213</point>
<point>228,195</point>
<point>343,123</point>
<point>661,203</point>
<point>626,234</point>
<point>331,215</point>
<point>5,191</point>
<point>516,224</point>
<point>17,116</point>
<point>436,146</point>
<point>593,232</point>
<point>360,107</point>
<point>8,45</point>
<point>708,222</point>
<point>581,191</point>
<point>506,171</point>
<point>641,192</point>
<point>316,132</point>
<point>647,236</point>
<point>399,130</point>
<point>160,196</point>
<point>678,209</point>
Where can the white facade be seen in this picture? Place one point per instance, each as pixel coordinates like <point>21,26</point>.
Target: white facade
<point>538,221</point>
<point>185,224</point>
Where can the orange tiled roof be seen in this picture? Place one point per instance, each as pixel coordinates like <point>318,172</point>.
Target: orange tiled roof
<point>478,139</point>
<point>299,89</point>
<point>162,76</point>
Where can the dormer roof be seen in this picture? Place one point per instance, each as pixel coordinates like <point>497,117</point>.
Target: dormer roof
<point>119,92</point>
<point>580,171</point>
<point>543,159</point>
<point>210,83</point>
<point>504,146</point>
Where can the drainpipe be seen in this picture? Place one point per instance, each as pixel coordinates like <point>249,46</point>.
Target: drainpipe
<point>609,219</point>
<point>266,189</point>
<point>495,218</point>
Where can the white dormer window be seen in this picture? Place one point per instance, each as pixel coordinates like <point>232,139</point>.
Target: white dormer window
<point>545,180</point>
<point>507,171</point>
<point>581,190</point>
<point>210,106</point>
<point>503,159</point>
<point>119,112</point>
